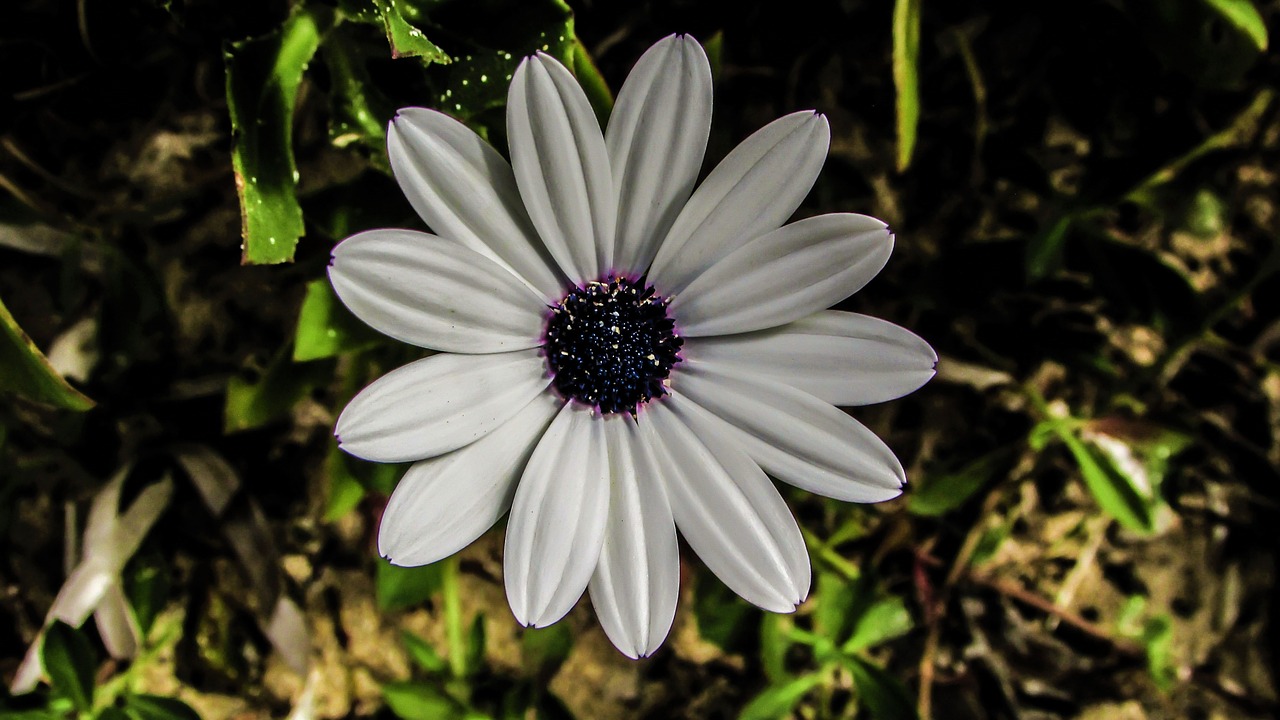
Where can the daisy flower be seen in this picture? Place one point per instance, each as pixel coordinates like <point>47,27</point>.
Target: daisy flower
<point>620,357</point>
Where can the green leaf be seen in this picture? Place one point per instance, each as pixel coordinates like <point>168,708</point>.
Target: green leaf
<point>906,56</point>
<point>26,371</point>
<point>990,541</point>
<point>722,617</point>
<point>402,587</point>
<point>939,494</point>
<point>406,40</point>
<point>263,75</point>
<point>146,584</point>
<point>423,653</point>
<point>881,693</point>
<point>1139,445</point>
<point>1115,492</point>
<point>358,111</point>
<point>1157,639</point>
<point>593,84</point>
<point>378,477</point>
<point>478,81</point>
<point>775,640</point>
<point>1045,251</point>
<point>345,489</point>
<point>1155,634</point>
<point>36,714</point>
<point>326,328</point>
<point>417,701</point>
<point>477,642</point>
<point>779,700</point>
<point>155,707</point>
<point>545,649</point>
<point>69,661</point>
<point>714,46</point>
<point>254,404</point>
<point>885,620</point>
<point>115,713</point>
<point>1245,17</point>
<point>836,601</point>
<point>1044,433</point>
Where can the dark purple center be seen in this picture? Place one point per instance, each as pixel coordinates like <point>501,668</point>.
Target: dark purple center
<point>610,344</point>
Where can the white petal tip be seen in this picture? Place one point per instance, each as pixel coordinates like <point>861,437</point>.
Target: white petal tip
<point>549,616</point>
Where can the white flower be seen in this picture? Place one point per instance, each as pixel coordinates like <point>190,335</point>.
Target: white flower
<point>620,357</point>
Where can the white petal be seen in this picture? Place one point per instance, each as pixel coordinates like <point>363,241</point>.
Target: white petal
<point>110,539</point>
<point>104,512</point>
<point>287,632</point>
<point>796,437</point>
<point>116,624</point>
<point>557,519</point>
<point>785,275</point>
<point>562,167</point>
<point>213,477</point>
<point>657,136</point>
<point>752,191</point>
<point>433,293</point>
<point>727,510</point>
<point>81,593</point>
<point>438,404</point>
<point>465,191</point>
<point>27,676</point>
<point>843,358</point>
<point>637,580</point>
<point>443,504</point>
<point>135,523</point>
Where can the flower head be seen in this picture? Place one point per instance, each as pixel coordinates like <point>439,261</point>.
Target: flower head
<point>621,357</point>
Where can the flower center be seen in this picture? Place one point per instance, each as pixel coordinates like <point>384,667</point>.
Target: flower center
<point>611,344</point>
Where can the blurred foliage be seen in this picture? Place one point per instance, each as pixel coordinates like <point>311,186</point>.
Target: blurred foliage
<point>28,372</point>
<point>1084,196</point>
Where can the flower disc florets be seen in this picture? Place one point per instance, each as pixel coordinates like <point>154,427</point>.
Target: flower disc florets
<point>611,344</point>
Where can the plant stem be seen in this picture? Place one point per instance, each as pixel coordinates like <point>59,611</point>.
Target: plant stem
<point>453,619</point>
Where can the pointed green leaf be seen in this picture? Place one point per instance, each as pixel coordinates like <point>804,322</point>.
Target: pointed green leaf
<point>155,707</point>
<point>26,371</point>
<point>358,111</point>
<point>477,643</point>
<point>146,585</point>
<point>423,653</point>
<point>417,701</point>
<point>722,617</point>
<point>69,661</point>
<point>1245,17</point>
<point>885,620</point>
<point>1157,639</point>
<point>593,84</point>
<point>836,602</point>
<point>406,40</point>
<point>906,57</point>
<point>345,490</point>
<point>1115,492</point>
<point>1045,250</point>
<point>939,494</point>
<point>326,328</point>
<point>774,643</point>
<point>37,714</point>
<point>252,404</point>
<point>779,700</point>
<point>881,693</point>
<point>478,81</point>
<point>263,75</point>
<point>402,587</point>
<point>544,649</point>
